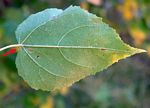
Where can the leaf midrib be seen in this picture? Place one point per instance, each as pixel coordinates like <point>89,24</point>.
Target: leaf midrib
<point>75,47</point>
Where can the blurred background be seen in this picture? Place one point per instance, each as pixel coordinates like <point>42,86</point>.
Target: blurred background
<point>124,85</point>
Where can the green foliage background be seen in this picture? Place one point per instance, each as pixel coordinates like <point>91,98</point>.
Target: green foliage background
<point>123,85</point>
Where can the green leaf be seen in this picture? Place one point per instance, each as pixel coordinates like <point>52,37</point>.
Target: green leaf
<point>59,47</point>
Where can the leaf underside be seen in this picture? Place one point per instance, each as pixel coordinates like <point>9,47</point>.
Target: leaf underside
<point>62,47</point>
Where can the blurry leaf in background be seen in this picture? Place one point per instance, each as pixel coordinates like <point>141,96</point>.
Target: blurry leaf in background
<point>106,94</point>
<point>64,90</point>
<point>84,5</point>
<point>13,17</point>
<point>1,32</point>
<point>128,9</point>
<point>103,93</point>
<point>48,103</point>
<point>13,14</point>
<point>138,35</point>
<point>9,81</point>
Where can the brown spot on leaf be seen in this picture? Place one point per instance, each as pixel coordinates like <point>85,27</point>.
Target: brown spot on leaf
<point>103,49</point>
<point>30,50</point>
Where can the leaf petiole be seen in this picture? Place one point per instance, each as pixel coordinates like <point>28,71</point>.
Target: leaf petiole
<point>10,46</point>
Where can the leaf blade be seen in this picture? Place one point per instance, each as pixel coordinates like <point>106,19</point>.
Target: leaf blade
<point>67,48</point>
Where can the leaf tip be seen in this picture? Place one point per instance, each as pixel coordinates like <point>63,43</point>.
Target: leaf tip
<point>136,50</point>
